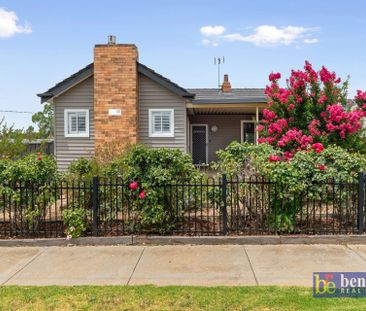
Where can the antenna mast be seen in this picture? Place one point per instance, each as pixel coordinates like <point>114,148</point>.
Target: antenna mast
<point>218,61</point>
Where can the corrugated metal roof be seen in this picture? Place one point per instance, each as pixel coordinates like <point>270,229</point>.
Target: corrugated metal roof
<point>237,95</point>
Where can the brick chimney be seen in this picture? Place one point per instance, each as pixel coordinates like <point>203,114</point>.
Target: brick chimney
<point>226,86</point>
<point>115,93</point>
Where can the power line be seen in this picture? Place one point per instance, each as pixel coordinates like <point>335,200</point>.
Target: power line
<point>16,111</point>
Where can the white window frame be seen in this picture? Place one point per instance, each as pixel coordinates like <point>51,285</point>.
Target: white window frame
<point>66,122</point>
<point>242,122</point>
<point>151,125</point>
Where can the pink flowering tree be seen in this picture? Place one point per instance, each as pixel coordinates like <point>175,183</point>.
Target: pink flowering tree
<point>312,111</point>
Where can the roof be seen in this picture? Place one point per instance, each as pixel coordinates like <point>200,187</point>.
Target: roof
<point>237,95</point>
<point>198,95</point>
<point>65,84</point>
<point>89,71</point>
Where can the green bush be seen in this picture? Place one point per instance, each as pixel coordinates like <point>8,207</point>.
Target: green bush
<point>305,169</point>
<point>35,172</point>
<point>151,169</point>
<point>34,168</point>
<point>75,221</point>
<point>307,173</point>
<point>83,168</point>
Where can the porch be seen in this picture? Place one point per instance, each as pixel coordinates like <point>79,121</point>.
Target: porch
<point>213,127</point>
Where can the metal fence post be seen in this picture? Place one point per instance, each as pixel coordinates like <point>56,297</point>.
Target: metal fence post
<point>361,201</point>
<point>95,205</point>
<point>224,207</point>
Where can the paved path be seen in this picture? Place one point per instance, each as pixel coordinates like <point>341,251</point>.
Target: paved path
<point>207,265</point>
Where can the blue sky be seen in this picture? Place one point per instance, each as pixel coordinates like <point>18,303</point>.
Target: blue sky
<point>52,39</point>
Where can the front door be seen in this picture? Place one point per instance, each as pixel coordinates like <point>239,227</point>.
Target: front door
<point>199,143</point>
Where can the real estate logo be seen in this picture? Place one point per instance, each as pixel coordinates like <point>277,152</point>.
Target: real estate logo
<point>339,284</point>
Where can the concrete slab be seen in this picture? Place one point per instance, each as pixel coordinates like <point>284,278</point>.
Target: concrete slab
<point>194,265</point>
<point>13,259</point>
<point>87,265</point>
<point>295,264</point>
<point>359,249</point>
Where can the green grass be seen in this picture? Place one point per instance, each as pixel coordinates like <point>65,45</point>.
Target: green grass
<point>169,298</point>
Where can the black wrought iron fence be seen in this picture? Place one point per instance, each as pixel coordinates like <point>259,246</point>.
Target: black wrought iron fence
<point>210,206</point>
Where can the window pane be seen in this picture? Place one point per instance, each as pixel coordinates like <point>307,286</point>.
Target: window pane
<point>249,132</point>
<point>81,122</point>
<point>161,122</point>
<point>76,122</point>
<point>166,123</point>
<point>156,122</point>
<point>72,123</point>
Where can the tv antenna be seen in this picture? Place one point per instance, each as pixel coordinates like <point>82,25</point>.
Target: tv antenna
<point>219,61</point>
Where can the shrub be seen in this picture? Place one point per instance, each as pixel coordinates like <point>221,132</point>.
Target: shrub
<point>305,169</point>
<point>34,168</point>
<point>35,172</point>
<point>75,222</point>
<point>308,172</point>
<point>147,171</point>
<point>312,108</point>
<point>83,168</point>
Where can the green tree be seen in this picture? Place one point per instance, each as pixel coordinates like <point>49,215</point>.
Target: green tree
<point>45,120</point>
<point>11,141</point>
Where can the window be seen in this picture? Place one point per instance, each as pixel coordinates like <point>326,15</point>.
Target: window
<point>76,123</point>
<point>248,132</point>
<point>161,122</point>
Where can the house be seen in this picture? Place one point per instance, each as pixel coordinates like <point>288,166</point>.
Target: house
<point>116,99</point>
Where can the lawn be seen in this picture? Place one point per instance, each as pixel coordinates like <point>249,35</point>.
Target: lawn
<point>169,298</point>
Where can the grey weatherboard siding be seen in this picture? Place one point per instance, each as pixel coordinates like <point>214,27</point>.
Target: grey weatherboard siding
<point>151,96</point>
<point>154,96</point>
<point>68,149</point>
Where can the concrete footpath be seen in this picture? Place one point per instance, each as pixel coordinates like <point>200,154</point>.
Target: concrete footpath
<point>207,265</point>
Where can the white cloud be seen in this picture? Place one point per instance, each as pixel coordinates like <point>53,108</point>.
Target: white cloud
<point>266,35</point>
<point>9,24</point>
<point>311,41</point>
<point>212,30</point>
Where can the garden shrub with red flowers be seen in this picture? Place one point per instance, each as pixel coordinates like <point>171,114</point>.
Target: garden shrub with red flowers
<point>310,133</point>
<point>312,108</point>
<point>146,171</point>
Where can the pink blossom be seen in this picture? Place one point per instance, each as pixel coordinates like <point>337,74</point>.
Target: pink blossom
<point>326,76</point>
<point>134,185</point>
<point>142,194</point>
<point>313,127</point>
<point>269,115</point>
<point>291,106</point>
<point>274,158</point>
<point>274,76</point>
<point>322,99</point>
<point>318,147</point>
<point>288,155</point>
<point>322,167</point>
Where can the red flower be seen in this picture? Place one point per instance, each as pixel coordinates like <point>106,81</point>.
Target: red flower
<point>322,167</point>
<point>318,147</point>
<point>274,158</point>
<point>39,159</point>
<point>274,76</point>
<point>134,185</point>
<point>142,194</point>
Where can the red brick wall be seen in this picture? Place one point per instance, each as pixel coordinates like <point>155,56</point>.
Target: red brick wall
<point>115,87</point>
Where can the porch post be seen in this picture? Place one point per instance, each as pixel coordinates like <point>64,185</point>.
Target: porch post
<point>256,124</point>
